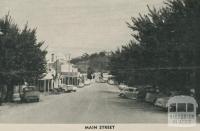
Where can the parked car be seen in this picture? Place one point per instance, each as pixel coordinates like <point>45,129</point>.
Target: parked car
<point>105,79</point>
<point>151,94</point>
<point>64,87</point>
<point>111,82</point>
<point>122,86</point>
<point>87,82</point>
<point>105,76</point>
<point>16,94</point>
<point>55,91</point>
<point>81,85</point>
<point>97,80</point>
<point>129,92</point>
<point>142,93</point>
<point>71,88</point>
<point>60,90</point>
<point>151,97</point>
<point>162,102</point>
<point>162,99</point>
<point>16,97</point>
<point>30,94</point>
<point>102,81</point>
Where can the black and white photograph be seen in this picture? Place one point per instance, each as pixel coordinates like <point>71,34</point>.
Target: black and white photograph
<point>104,62</point>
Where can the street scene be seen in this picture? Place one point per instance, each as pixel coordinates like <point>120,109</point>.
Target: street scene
<point>99,61</point>
<point>96,103</point>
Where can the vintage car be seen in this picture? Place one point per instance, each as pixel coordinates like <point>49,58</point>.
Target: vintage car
<point>162,99</point>
<point>64,87</point>
<point>71,88</point>
<point>29,94</point>
<point>105,79</point>
<point>111,82</point>
<point>16,97</point>
<point>162,102</point>
<point>152,93</point>
<point>122,86</point>
<point>130,92</point>
<point>87,82</point>
<point>81,85</point>
<point>54,91</point>
<point>101,81</point>
<point>151,97</point>
<point>16,94</point>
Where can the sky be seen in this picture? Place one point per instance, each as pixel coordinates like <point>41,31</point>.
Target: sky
<point>78,26</point>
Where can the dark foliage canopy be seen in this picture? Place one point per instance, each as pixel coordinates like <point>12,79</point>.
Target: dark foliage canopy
<point>165,49</point>
<point>21,56</point>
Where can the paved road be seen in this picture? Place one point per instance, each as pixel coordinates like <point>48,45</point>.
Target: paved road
<point>97,103</point>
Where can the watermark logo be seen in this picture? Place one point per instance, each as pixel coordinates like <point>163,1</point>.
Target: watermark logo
<point>182,111</point>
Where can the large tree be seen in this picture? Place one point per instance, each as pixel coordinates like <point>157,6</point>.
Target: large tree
<point>21,56</point>
<point>165,50</point>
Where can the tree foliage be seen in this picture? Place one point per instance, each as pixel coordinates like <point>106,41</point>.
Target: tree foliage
<point>165,49</point>
<point>21,56</point>
<point>98,62</point>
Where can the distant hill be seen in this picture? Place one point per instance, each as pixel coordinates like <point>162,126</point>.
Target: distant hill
<point>98,62</point>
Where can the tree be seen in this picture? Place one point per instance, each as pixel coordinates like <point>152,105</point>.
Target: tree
<point>97,61</point>
<point>21,56</point>
<point>165,49</point>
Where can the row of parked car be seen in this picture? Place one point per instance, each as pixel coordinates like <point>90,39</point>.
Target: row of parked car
<point>27,93</point>
<point>148,94</point>
<point>105,80</point>
<point>63,88</point>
